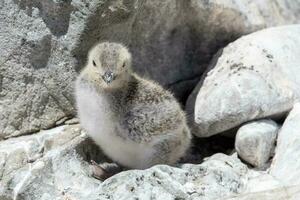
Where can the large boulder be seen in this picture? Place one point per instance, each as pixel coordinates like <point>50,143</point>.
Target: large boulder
<point>256,76</point>
<point>286,166</point>
<point>44,45</point>
<point>48,165</point>
<point>255,142</point>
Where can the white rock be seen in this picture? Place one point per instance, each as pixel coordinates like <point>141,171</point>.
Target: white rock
<point>259,181</point>
<point>283,193</point>
<point>218,177</point>
<point>256,76</point>
<point>23,156</point>
<point>286,163</point>
<point>281,181</point>
<point>62,173</point>
<point>262,185</point>
<point>255,142</point>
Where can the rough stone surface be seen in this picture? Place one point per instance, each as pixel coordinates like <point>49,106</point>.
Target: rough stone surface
<point>255,77</point>
<point>286,165</point>
<point>48,165</point>
<point>19,153</point>
<point>263,185</point>
<point>52,165</point>
<point>259,181</point>
<point>219,176</point>
<point>44,45</point>
<point>255,142</point>
<point>290,193</point>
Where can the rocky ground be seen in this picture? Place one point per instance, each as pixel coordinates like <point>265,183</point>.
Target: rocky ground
<point>237,78</point>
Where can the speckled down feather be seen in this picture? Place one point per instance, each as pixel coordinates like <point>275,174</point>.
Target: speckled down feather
<point>135,121</point>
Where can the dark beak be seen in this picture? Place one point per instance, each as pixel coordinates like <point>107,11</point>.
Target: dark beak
<point>108,77</point>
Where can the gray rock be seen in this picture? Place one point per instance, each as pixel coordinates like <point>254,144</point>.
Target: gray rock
<point>44,45</point>
<point>255,142</point>
<point>49,165</point>
<point>291,193</point>
<point>36,65</point>
<point>53,165</point>
<point>280,181</point>
<point>262,185</point>
<point>285,166</point>
<point>254,77</point>
<point>19,153</point>
<point>259,181</point>
<point>218,177</point>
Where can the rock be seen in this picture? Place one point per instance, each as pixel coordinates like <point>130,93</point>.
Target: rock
<point>44,45</point>
<point>280,180</point>
<point>17,153</point>
<point>219,176</point>
<point>48,165</point>
<point>53,164</point>
<point>59,175</point>
<point>259,181</point>
<point>61,171</point>
<point>285,166</point>
<point>291,193</point>
<point>263,185</point>
<point>255,142</point>
<point>253,78</point>
<point>37,68</point>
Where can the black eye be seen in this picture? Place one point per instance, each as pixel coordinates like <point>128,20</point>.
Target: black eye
<point>94,63</point>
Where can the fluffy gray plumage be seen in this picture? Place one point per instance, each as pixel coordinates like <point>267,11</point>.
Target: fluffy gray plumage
<point>135,121</point>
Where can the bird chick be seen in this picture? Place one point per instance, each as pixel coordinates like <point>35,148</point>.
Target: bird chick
<point>135,121</point>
